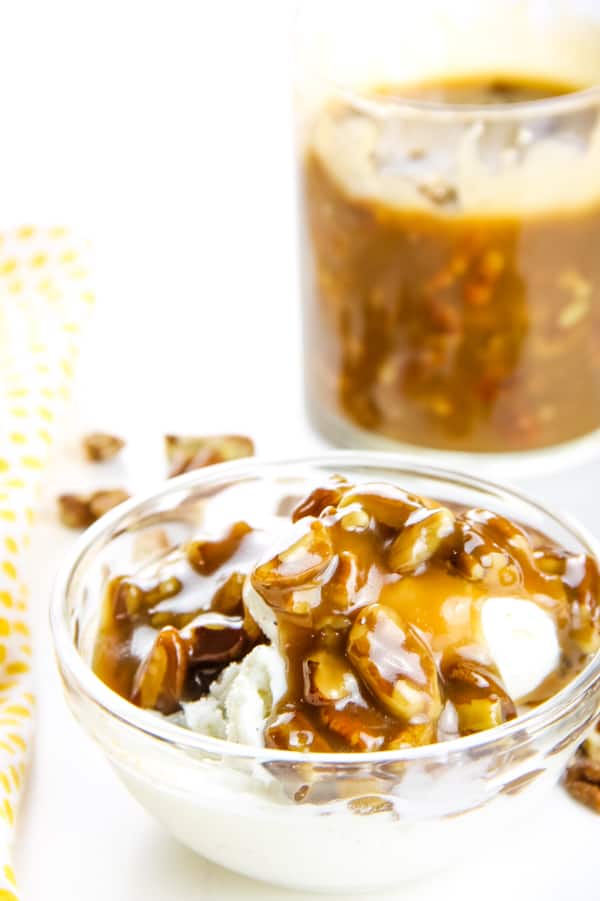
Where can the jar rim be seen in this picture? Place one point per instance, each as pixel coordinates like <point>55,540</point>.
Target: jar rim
<point>79,676</point>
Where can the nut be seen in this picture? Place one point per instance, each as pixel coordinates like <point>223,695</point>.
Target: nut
<point>207,556</point>
<point>318,500</point>
<point>480,699</point>
<point>159,681</point>
<point>188,452</point>
<point>100,446</point>
<point>413,736</point>
<point>101,502</point>
<point>370,804</point>
<point>420,539</point>
<point>395,663</point>
<point>228,597</point>
<point>339,592</point>
<point>78,511</point>
<point>362,728</point>
<point>356,520</point>
<point>388,504</point>
<point>550,561</point>
<point>293,731</point>
<point>327,679</point>
<point>74,511</point>
<point>302,566</point>
<point>213,638</point>
<point>582,781</point>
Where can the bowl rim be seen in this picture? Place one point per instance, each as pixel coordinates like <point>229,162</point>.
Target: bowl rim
<point>79,677</point>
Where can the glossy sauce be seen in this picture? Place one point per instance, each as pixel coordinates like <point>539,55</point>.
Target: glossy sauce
<point>378,597</point>
<point>445,329</point>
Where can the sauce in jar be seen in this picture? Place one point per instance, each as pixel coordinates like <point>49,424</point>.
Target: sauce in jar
<point>431,320</point>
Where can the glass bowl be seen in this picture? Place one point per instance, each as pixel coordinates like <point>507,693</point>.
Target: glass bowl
<point>319,822</point>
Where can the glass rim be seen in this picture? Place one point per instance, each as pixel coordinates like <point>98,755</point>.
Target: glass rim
<point>563,104</point>
<point>382,105</point>
<point>78,675</point>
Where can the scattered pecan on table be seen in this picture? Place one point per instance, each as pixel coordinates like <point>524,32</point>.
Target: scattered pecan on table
<point>582,779</point>
<point>187,452</point>
<point>98,447</point>
<point>78,511</point>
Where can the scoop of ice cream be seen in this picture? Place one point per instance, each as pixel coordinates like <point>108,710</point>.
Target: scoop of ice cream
<point>522,641</point>
<point>241,699</point>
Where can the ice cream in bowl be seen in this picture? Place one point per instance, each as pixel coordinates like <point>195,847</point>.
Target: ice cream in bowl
<point>334,673</point>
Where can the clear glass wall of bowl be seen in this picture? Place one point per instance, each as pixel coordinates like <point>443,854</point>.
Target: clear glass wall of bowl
<point>290,817</point>
<point>451,253</point>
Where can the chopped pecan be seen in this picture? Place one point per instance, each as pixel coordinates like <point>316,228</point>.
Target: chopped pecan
<point>188,452</point>
<point>480,699</point>
<point>393,660</point>
<point>295,570</point>
<point>327,678</point>
<point>160,679</point>
<point>582,781</point>
<point>423,535</point>
<point>228,597</point>
<point>74,511</point>
<point>207,556</point>
<point>293,731</point>
<point>370,804</point>
<point>363,728</point>
<point>318,500</point>
<point>213,638</point>
<point>388,504</point>
<point>100,446</point>
<point>78,511</point>
<point>102,501</point>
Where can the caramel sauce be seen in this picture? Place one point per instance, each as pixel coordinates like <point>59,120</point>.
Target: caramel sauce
<point>441,328</point>
<point>378,597</point>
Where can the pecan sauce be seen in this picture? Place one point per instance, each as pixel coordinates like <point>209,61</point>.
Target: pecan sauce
<point>377,597</point>
<point>439,327</point>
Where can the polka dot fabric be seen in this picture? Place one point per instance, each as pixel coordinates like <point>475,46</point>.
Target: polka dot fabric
<point>45,300</point>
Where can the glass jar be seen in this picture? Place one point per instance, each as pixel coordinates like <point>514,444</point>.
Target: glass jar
<point>450,207</point>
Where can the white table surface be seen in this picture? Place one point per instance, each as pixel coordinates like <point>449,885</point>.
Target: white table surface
<point>164,129</point>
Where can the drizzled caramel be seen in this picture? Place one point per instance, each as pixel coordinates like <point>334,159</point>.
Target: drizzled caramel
<point>378,597</point>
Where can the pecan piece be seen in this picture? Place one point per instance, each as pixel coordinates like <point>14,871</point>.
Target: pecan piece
<point>388,504</point>
<point>74,511</point>
<point>101,502</point>
<point>478,695</point>
<point>361,728</point>
<point>582,781</point>
<point>207,556</point>
<point>159,681</point>
<point>395,663</point>
<point>289,579</point>
<point>187,452</point>
<point>293,731</point>
<point>213,638</point>
<point>327,679</point>
<point>421,538</point>
<point>78,511</point>
<point>319,499</point>
<point>98,447</point>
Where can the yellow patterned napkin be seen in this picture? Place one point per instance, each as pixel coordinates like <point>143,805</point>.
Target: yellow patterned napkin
<point>45,299</point>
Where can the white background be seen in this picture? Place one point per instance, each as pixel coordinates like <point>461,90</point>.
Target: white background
<point>164,130</point>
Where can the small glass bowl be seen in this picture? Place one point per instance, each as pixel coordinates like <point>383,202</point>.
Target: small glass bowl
<point>319,822</point>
